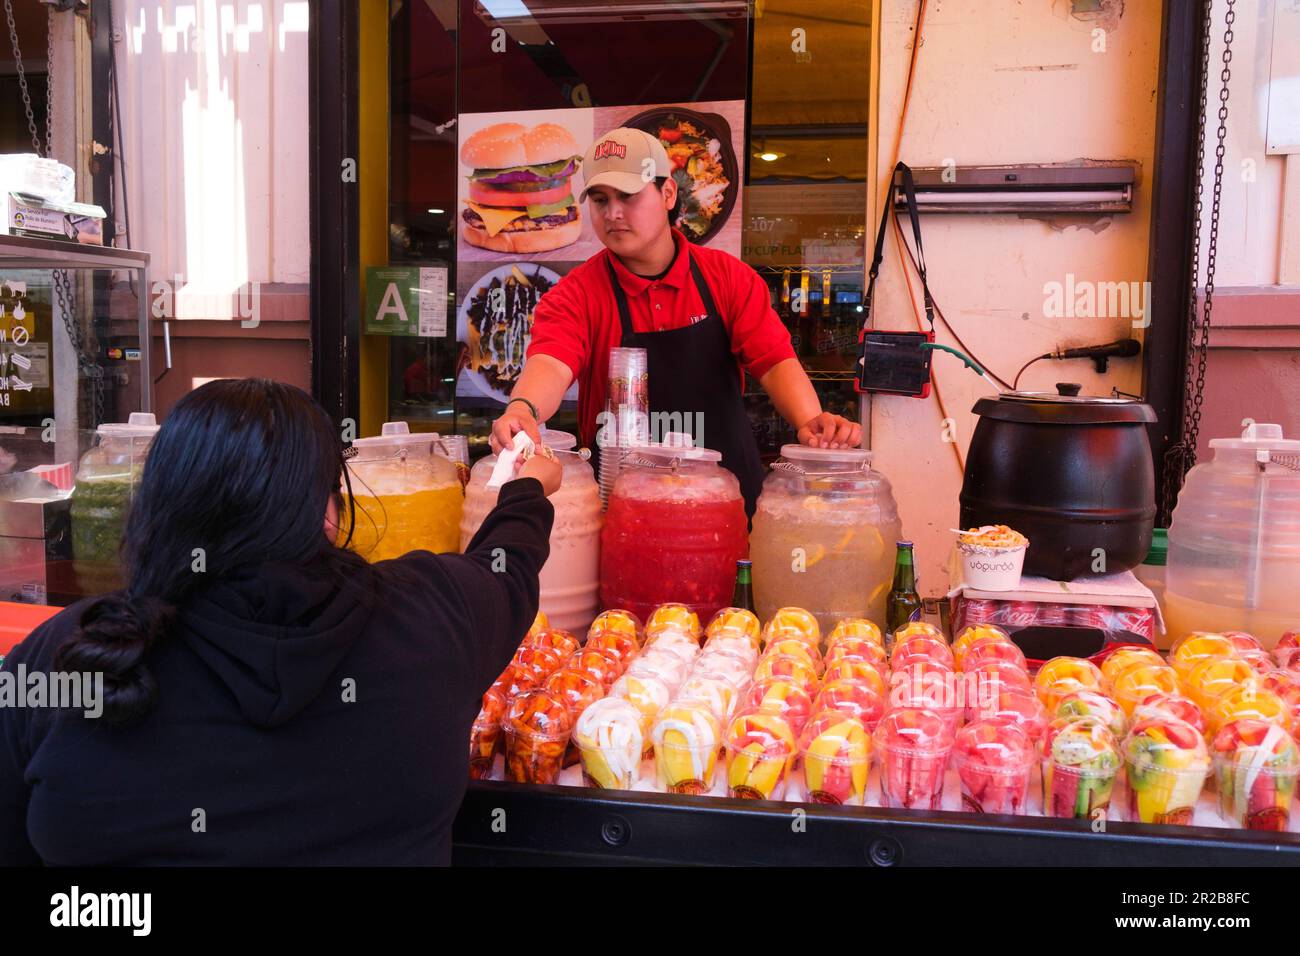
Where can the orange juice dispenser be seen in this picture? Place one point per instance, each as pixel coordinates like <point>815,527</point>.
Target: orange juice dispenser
<point>407,495</point>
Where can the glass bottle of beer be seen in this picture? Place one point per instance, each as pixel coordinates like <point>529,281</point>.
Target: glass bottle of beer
<point>743,595</point>
<point>904,603</point>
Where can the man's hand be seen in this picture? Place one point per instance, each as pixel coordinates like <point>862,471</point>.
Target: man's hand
<point>830,431</point>
<point>515,419</point>
<point>546,470</point>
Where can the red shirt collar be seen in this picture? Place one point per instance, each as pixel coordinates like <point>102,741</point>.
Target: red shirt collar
<point>635,285</point>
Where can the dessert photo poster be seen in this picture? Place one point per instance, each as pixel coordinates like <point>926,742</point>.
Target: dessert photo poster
<point>520,227</point>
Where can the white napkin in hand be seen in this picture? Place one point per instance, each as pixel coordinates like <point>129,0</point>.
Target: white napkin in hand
<point>504,469</point>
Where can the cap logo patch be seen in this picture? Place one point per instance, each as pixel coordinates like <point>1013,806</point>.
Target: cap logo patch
<point>610,148</point>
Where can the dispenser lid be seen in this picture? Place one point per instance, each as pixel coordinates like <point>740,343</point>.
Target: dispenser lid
<point>1259,436</point>
<point>826,456</point>
<point>561,441</point>
<point>138,425</point>
<point>677,445</point>
<point>1065,406</point>
<point>396,434</point>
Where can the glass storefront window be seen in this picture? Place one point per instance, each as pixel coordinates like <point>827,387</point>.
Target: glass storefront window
<point>800,83</point>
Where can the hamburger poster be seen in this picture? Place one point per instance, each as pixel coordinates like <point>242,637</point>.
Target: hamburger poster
<point>520,227</point>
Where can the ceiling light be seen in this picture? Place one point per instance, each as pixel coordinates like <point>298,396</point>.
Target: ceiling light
<point>437,212</point>
<point>768,157</point>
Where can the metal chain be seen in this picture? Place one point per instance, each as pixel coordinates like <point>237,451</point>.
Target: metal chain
<point>49,83</point>
<point>1181,456</point>
<point>22,76</point>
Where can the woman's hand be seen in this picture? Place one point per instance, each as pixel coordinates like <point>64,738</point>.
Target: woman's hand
<point>546,470</point>
<point>830,431</point>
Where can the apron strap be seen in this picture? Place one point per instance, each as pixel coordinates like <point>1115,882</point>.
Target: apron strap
<point>703,287</point>
<point>624,315</point>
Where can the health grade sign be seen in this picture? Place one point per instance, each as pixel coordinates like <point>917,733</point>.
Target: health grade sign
<point>407,301</point>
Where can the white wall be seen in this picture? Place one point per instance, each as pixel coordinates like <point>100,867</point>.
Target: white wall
<point>214,99</point>
<point>997,82</point>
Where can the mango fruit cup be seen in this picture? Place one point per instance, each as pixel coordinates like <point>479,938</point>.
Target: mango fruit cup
<point>760,747</point>
<point>835,759</point>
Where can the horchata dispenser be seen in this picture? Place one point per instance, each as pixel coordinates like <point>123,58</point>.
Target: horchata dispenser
<point>570,579</point>
<point>674,529</point>
<point>1234,540</point>
<point>407,494</point>
<point>824,536</point>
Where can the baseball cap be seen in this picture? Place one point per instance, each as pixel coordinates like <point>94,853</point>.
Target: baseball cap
<point>624,159</point>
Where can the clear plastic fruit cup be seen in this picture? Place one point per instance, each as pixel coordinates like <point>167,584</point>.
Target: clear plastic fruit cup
<point>912,746</point>
<point>1166,762</point>
<point>835,759</point>
<point>686,738</point>
<point>537,726</point>
<point>609,740</point>
<point>760,748</point>
<point>1080,764</point>
<point>994,759</point>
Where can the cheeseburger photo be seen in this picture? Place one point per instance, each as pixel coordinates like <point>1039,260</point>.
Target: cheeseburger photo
<point>520,191</point>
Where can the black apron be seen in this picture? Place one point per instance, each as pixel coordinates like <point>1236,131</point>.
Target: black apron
<point>692,370</point>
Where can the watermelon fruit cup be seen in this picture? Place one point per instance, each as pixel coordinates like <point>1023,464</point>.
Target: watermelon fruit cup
<point>1080,761</point>
<point>1014,705</point>
<point>853,698</point>
<point>1089,703</point>
<point>780,696</point>
<point>999,675</point>
<point>760,748</point>
<point>912,746</point>
<point>857,628</point>
<point>925,685</point>
<point>609,739</point>
<point>686,738</point>
<point>969,635</point>
<point>1126,658</point>
<point>1255,768</point>
<point>1167,762</point>
<point>835,758</point>
<point>1064,675</point>
<point>1138,683</point>
<point>993,760</point>
<point>1170,705</point>
<point>537,725</point>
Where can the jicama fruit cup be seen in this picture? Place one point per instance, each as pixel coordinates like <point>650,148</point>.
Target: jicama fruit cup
<point>609,739</point>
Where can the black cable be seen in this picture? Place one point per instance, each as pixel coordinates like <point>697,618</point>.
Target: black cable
<point>1015,385</point>
<point>948,325</point>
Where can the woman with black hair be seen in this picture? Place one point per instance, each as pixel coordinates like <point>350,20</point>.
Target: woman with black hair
<point>269,698</point>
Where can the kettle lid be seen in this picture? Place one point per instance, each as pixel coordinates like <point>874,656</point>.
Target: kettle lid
<point>1065,406</point>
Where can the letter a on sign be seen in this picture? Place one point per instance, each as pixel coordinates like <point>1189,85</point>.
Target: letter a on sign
<point>391,304</point>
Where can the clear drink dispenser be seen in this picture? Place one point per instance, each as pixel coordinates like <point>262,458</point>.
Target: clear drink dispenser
<point>1234,540</point>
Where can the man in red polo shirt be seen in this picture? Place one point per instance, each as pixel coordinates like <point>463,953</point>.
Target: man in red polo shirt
<point>703,316</point>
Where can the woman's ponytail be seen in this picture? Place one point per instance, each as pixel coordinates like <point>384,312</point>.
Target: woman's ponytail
<point>114,635</point>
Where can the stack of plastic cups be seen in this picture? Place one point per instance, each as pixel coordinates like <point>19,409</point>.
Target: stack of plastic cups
<point>627,407</point>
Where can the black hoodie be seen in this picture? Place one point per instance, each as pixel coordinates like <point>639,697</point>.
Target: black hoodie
<point>299,720</point>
